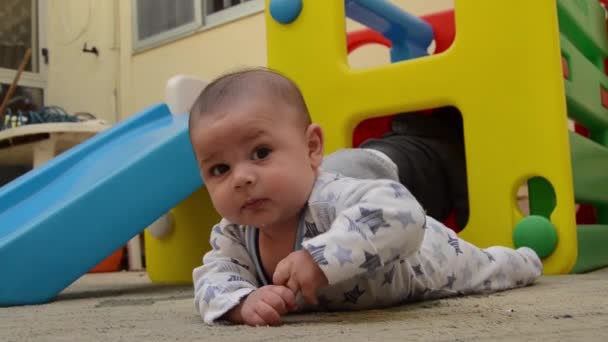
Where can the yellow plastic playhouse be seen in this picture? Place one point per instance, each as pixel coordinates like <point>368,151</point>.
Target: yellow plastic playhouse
<point>514,77</point>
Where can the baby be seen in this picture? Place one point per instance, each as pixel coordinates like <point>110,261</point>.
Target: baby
<point>295,237</point>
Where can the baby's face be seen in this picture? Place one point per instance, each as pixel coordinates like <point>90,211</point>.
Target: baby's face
<point>256,162</point>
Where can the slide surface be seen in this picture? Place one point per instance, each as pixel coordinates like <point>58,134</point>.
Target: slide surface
<point>60,220</point>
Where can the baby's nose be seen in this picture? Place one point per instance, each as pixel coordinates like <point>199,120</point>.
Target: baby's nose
<point>243,177</point>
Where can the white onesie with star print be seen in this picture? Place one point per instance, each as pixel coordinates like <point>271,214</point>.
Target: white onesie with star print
<point>376,246</point>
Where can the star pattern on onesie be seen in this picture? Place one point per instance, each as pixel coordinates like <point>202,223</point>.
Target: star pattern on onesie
<point>353,295</point>
<point>353,227</point>
<point>372,218</point>
<point>400,190</point>
<point>396,253</point>
<point>344,255</point>
<point>210,293</point>
<point>371,263</point>
<point>388,276</point>
<point>490,256</point>
<point>451,279</point>
<point>406,218</point>
<point>418,270</point>
<point>453,241</point>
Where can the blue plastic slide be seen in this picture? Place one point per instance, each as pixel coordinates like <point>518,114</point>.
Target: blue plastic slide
<point>60,220</point>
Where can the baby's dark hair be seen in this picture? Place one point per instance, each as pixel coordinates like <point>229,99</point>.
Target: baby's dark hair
<point>254,81</point>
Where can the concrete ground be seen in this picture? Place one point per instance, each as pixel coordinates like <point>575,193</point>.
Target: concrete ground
<point>126,307</point>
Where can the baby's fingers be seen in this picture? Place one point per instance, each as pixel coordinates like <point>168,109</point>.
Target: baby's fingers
<point>255,320</point>
<point>267,313</point>
<point>287,296</point>
<point>310,295</point>
<point>282,272</point>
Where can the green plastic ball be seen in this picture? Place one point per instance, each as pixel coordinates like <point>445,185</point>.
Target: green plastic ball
<point>536,232</point>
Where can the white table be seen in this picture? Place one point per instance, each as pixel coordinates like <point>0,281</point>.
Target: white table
<point>34,145</point>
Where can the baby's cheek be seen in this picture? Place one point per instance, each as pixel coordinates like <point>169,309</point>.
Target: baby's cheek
<point>221,203</point>
<point>277,181</point>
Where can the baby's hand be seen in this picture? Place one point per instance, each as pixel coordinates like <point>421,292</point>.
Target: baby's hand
<point>299,272</point>
<point>264,306</point>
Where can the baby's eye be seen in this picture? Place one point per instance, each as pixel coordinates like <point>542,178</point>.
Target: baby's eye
<point>261,153</point>
<point>218,170</point>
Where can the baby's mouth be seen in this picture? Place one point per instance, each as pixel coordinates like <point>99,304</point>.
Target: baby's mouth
<point>253,203</point>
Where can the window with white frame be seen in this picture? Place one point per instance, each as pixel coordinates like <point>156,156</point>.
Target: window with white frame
<point>214,6</point>
<point>157,22</point>
<point>20,23</point>
<point>156,17</point>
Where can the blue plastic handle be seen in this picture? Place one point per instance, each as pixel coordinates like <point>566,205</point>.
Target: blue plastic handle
<point>409,34</point>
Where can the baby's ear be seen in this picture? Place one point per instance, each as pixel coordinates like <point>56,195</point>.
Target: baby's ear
<point>314,137</point>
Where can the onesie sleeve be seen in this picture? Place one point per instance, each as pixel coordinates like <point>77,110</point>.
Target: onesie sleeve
<point>227,274</point>
<point>376,222</point>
